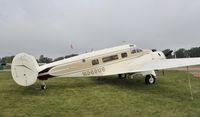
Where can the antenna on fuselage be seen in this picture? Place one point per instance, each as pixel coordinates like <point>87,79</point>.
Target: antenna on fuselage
<point>123,42</point>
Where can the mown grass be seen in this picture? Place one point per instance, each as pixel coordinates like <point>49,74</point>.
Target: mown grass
<point>106,96</point>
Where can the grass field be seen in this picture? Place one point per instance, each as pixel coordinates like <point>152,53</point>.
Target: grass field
<point>107,96</point>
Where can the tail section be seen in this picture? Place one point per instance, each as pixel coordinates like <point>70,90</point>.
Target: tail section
<point>24,69</point>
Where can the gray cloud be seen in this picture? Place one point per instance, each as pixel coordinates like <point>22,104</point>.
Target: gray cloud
<point>50,26</point>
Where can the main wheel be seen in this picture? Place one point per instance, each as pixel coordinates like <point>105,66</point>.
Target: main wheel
<point>122,76</point>
<point>150,79</point>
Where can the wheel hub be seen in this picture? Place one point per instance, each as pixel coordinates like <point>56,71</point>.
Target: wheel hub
<point>151,80</point>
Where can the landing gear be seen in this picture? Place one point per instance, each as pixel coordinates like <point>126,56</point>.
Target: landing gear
<point>150,79</point>
<point>122,76</point>
<point>43,86</point>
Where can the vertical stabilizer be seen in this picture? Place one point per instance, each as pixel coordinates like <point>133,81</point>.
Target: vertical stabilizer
<point>24,69</point>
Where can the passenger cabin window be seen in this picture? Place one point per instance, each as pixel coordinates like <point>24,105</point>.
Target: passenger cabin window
<point>124,55</point>
<point>95,62</point>
<point>136,51</point>
<point>110,58</point>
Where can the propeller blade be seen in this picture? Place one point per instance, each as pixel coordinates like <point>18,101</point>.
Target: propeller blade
<point>168,53</point>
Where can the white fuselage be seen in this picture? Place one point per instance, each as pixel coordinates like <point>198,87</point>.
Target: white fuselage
<point>111,61</point>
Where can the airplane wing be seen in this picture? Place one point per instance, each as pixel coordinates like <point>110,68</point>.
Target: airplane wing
<point>164,64</point>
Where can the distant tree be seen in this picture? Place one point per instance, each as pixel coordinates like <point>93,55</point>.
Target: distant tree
<point>43,59</point>
<point>194,52</point>
<point>181,53</point>
<point>1,65</point>
<point>7,59</point>
<point>71,55</point>
<point>59,58</point>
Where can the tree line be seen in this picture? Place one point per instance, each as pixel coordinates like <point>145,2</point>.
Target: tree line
<point>184,53</point>
<point>180,53</point>
<point>42,59</point>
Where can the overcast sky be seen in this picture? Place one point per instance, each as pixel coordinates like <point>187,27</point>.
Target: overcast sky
<point>49,27</point>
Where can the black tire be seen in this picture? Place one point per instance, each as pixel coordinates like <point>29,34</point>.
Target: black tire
<point>150,79</point>
<point>122,76</point>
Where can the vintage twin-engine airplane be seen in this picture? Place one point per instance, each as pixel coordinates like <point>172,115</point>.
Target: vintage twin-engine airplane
<point>121,60</point>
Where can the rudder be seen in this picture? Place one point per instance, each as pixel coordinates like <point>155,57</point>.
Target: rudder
<point>24,69</point>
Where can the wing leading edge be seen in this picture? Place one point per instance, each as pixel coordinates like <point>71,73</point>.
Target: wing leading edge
<point>164,64</point>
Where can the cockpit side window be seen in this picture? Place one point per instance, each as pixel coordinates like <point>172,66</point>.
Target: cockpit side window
<point>95,62</point>
<point>133,51</point>
<point>139,50</point>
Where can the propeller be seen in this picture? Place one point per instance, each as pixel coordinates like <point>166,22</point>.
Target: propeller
<point>168,53</point>
<point>167,56</point>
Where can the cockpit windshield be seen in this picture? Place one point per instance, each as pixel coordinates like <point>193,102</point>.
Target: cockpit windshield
<point>135,50</point>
